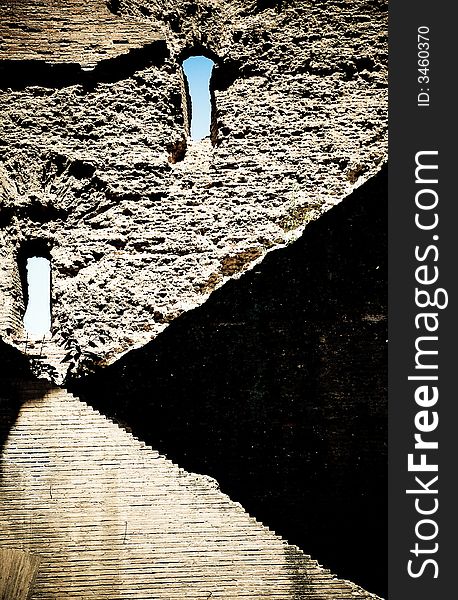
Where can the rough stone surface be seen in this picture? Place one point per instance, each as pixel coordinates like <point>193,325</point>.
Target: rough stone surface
<point>142,224</point>
<point>71,32</point>
<point>276,387</point>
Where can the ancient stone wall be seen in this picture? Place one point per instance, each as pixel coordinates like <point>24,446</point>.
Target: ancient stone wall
<point>11,296</point>
<point>276,387</point>
<point>141,223</point>
<point>71,33</point>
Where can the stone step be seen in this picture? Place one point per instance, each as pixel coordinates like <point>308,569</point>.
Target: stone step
<point>111,518</point>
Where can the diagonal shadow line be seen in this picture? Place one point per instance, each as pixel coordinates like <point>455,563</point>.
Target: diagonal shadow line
<point>276,387</point>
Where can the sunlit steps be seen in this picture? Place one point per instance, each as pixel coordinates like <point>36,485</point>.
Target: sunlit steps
<point>114,520</point>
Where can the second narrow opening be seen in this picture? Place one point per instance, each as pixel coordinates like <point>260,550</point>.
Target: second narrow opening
<point>37,318</point>
<point>198,70</point>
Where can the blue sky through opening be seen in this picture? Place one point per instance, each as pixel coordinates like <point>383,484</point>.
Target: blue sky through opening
<point>37,318</point>
<point>198,71</point>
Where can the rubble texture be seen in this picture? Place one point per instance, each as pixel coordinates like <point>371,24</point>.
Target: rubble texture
<point>141,223</point>
<point>276,387</point>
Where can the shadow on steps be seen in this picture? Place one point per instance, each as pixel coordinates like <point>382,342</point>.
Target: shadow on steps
<point>17,382</point>
<point>276,387</point>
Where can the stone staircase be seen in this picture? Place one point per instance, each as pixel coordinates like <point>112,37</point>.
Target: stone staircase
<point>47,358</point>
<point>111,518</point>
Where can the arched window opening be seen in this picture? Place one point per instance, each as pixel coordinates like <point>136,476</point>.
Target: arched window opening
<point>37,317</point>
<point>198,71</point>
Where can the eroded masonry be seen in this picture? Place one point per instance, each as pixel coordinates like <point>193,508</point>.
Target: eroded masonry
<point>221,299</point>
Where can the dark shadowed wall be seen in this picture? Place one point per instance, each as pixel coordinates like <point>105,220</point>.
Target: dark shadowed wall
<point>277,388</point>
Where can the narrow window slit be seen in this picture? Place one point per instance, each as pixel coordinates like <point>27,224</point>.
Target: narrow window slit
<point>37,317</point>
<point>200,109</point>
